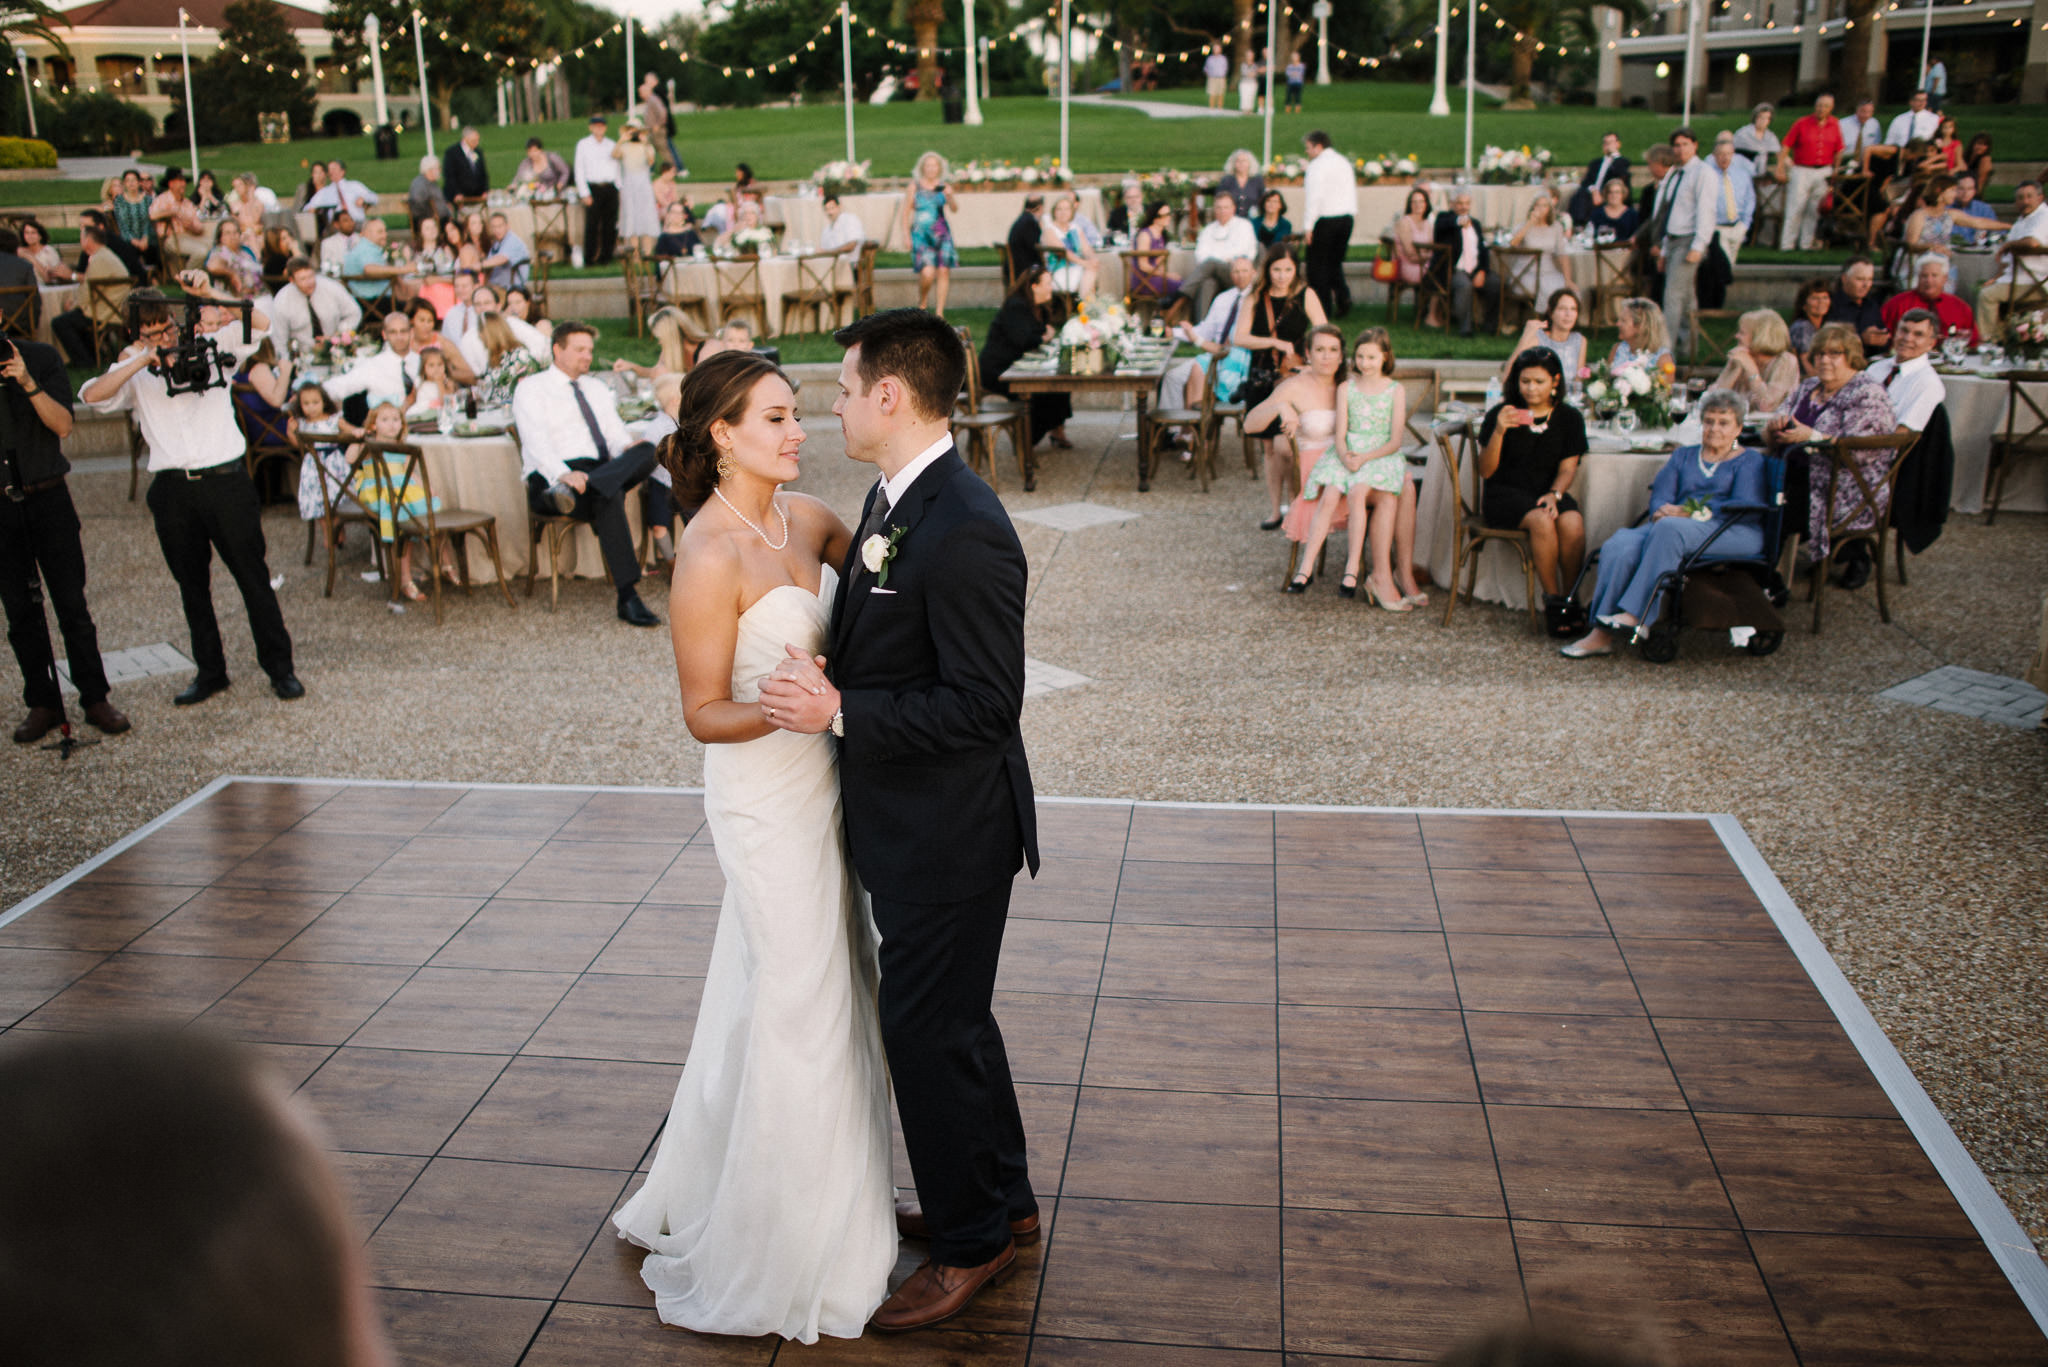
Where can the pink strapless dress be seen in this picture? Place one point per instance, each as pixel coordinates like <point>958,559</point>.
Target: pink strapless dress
<point>1313,436</point>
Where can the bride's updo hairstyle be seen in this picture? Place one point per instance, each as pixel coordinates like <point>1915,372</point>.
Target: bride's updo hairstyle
<point>717,390</point>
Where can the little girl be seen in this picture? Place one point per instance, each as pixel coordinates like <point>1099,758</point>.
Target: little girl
<point>1366,468</point>
<point>312,412</point>
<point>433,387</point>
<point>387,423</point>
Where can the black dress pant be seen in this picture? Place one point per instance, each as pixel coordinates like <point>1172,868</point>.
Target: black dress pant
<point>1328,240</point>
<point>73,331</point>
<point>961,1128</point>
<point>194,519</point>
<point>603,505</point>
<point>601,225</point>
<point>39,537</point>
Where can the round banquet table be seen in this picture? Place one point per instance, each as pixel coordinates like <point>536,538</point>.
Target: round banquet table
<point>803,216</point>
<point>482,474</point>
<point>55,300</point>
<point>713,279</point>
<point>984,216</point>
<point>1976,412</point>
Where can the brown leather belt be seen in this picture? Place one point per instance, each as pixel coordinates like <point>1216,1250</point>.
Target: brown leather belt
<point>18,494</point>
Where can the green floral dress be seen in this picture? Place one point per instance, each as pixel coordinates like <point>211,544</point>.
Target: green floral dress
<point>1368,423</point>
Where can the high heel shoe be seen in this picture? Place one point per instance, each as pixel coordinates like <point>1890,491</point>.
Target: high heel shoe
<point>1348,586</point>
<point>1299,585</point>
<point>1415,600</point>
<point>1394,604</point>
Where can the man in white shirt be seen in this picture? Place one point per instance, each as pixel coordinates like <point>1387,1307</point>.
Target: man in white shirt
<point>1687,231</point>
<point>462,318</point>
<point>1935,83</point>
<point>310,306</point>
<point>1908,374</point>
<point>201,499</point>
<point>340,193</point>
<point>1331,187</point>
<point>335,247</point>
<point>506,266</point>
<point>1223,239</point>
<point>844,231</point>
<point>1860,131</point>
<point>579,460</point>
<point>597,185</point>
<point>1181,385</point>
<point>1459,233</point>
<point>2020,262</point>
<point>387,376</point>
<point>1917,122</point>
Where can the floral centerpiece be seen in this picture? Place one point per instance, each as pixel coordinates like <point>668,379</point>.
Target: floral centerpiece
<point>2026,334</point>
<point>753,241</point>
<point>1642,388</point>
<point>1286,171</point>
<point>1389,168</point>
<point>1522,165</point>
<point>1092,338</point>
<point>1004,175</point>
<point>842,177</point>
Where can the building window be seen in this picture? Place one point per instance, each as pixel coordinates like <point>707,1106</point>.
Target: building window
<point>120,75</point>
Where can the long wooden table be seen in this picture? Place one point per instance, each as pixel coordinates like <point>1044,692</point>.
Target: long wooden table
<point>1140,383</point>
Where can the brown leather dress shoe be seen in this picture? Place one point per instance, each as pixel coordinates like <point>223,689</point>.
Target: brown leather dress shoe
<point>39,722</point>
<point>935,1292</point>
<point>107,717</point>
<point>910,1223</point>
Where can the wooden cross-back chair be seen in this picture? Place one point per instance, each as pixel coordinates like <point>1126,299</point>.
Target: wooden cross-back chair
<point>1434,293</point>
<point>105,312</point>
<point>1857,198</point>
<point>1872,498</point>
<point>19,305</point>
<point>1459,444</point>
<point>1414,288</point>
<point>864,279</point>
<point>1614,279</point>
<point>816,291</point>
<point>739,293</point>
<point>433,527</point>
<point>1200,423</point>
<point>1713,333</point>
<point>266,439</point>
<point>643,287</point>
<point>337,476</point>
<point>2025,436</point>
<point>2026,279</point>
<point>986,416</point>
<point>1521,277</point>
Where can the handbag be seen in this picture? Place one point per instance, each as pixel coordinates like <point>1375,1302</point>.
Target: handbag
<point>1383,269</point>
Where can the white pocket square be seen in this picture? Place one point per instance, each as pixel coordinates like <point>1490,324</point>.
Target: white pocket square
<point>890,592</point>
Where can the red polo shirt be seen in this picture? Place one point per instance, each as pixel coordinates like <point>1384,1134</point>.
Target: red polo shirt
<point>1814,142</point>
<point>1955,315</point>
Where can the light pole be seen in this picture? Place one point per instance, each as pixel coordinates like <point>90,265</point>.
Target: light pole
<point>632,85</point>
<point>973,115</point>
<point>846,72</point>
<point>419,56</point>
<point>1693,17</point>
<point>191,124</point>
<point>28,93</point>
<point>1440,103</point>
<point>1321,11</point>
<point>371,26</point>
<point>1471,77</point>
<point>1272,39</point>
<point>1066,81</point>
<point>1926,38</point>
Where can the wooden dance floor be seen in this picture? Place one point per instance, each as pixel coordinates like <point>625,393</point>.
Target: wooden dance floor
<point>1321,1084</point>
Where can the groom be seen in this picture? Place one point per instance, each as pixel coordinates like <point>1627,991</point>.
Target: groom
<point>927,681</point>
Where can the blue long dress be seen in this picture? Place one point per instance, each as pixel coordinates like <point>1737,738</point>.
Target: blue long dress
<point>1634,558</point>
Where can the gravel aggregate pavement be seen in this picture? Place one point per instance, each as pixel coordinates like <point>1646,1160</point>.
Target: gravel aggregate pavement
<point>1911,839</point>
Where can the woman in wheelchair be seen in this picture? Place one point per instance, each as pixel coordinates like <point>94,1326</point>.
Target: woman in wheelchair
<point>1687,500</point>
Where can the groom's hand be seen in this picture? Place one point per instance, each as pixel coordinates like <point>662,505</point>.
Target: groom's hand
<point>793,707</point>
<point>805,671</point>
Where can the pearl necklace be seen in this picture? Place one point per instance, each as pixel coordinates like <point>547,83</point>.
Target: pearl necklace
<point>756,526</point>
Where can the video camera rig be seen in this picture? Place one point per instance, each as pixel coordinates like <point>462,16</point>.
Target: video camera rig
<point>196,363</point>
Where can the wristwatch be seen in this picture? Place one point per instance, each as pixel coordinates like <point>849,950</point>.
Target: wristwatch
<point>839,723</point>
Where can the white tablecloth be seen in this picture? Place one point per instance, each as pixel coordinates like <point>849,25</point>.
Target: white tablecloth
<point>778,275</point>
<point>481,474</point>
<point>880,215</point>
<point>985,216</point>
<point>1968,269</point>
<point>1497,206</point>
<point>55,300</point>
<point>1976,412</point>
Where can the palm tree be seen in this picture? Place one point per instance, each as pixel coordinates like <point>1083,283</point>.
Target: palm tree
<point>31,19</point>
<point>1546,26</point>
<point>924,18</point>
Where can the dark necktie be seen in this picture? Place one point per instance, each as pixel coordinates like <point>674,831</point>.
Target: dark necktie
<point>1230,324</point>
<point>604,453</point>
<point>1890,375</point>
<point>877,515</point>
<point>319,323</point>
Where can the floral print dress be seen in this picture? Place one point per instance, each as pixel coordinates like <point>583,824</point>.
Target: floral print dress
<point>931,240</point>
<point>1368,423</point>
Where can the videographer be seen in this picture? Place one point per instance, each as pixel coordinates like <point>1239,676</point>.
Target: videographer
<point>202,498</point>
<point>40,546</point>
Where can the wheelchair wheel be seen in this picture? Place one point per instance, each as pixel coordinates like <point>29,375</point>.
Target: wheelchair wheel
<point>1660,647</point>
<point>1764,642</point>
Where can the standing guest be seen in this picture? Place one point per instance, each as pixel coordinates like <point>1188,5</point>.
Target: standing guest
<point>579,461</point>
<point>1805,161</point>
<point>232,263</point>
<point>1962,234</point>
<point>1025,233</point>
<point>1223,239</point>
<point>1855,302</point>
<point>1129,214</point>
<point>1609,165</point>
<point>1639,325</point>
<point>201,498</point>
<point>1860,130</point>
<point>1302,409</point>
<point>1816,297</point>
<point>1688,227</point>
<point>468,178</point>
<point>844,232</point>
<point>1249,97</point>
<point>424,199</point>
<point>509,258</point>
<point>176,217</point>
<point>1296,75</point>
<point>931,238</point>
<point>1271,226</point>
<point>101,307</point>
<point>1082,269</point>
<point>1838,400</point>
<point>1930,292</point>
<point>1634,561</point>
<point>1542,233</point>
<point>654,113</point>
<point>597,185</point>
<point>309,307</point>
<point>1977,160</point>
<point>40,547</point>
<point>1761,367</point>
<point>1732,192</point>
<point>1023,325</point>
<point>541,169</point>
<point>1331,187</point>
<point>1148,264</point>
<point>1529,449</point>
<point>1934,80</point>
<point>1242,182</point>
<point>1653,207</point>
<point>36,250</point>
<point>1558,330</point>
<point>1367,469</point>
<point>1755,141</point>
<point>1614,218</point>
<point>2028,236</point>
<point>1459,234</point>
<point>1273,327</point>
<point>637,157</point>
<point>132,222</point>
<point>1216,75</point>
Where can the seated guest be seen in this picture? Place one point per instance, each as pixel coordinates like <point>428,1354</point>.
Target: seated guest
<point>671,331</point>
<point>429,340</point>
<point>1271,226</point>
<point>367,269</point>
<point>1021,326</point>
<point>176,218</point>
<point>233,265</point>
<point>424,198</point>
<point>1609,165</point>
<point>1962,234</point>
<point>1931,227</point>
<point>478,352</point>
<point>472,300</point>
<point>678,236</point>
<point>1639,323</point>
<point>1303,409</point>
<point>1838,400</point>
<point>1369,471</point>
<point>844,232</point>
<point>129,256</point>
<point>1761,367</point>
<point>1129,214</point>
<point>1025,234</point>
<point>1614,218</point>
<point>1816,297</point>
<point>1908,376</point>
<point>264,386</point>
<point>579,460</point>
<point>311,306</point>
<point>745,214</point>
<point>1557,330</point>
<point>1713,474</point>
<point>519,304</point>
<point>384,497</point>
<point>1543,234</point>
<point>1930,292</point>
<point>279,247</point>
<point>384,376</point>
<point>1223,239</point>
<point>17,274</point>
<point>541,169</point>
<point>36,250</point>
<point>1529,449</point>
<point>1242,183</point>
<point>250,1255</point>
<point>507,262</point>
<point>1460,234</point>
<point>250,202</point>
<point>1080,269</point>
<point>1273,326</point>
<point>1181,385</point>
<point>335,247</point>
<point>108,305</point>
<point>1415,227</point>
<point>1917,124</point>
<point>2027,237</point>
<point>1147,262</point>
<point>313,413</point>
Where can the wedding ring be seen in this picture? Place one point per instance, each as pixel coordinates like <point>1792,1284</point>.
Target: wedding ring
<point>771,711</point>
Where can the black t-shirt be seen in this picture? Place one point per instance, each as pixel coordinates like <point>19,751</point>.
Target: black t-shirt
<point>1528,458</point>
<point>36,450</point>
<point>1024,239</point>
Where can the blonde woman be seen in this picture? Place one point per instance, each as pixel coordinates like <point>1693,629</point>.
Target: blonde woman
<point>678,346</point>
<point>1640,322</point>
<point>1761,367</point>
<point>931,239</point>
<point>1081,269</point>
<point>1543,233</point>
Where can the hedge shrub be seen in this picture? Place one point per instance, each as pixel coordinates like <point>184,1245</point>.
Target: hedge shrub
<point>26,153</point>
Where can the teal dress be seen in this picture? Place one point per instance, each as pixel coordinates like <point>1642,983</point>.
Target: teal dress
<point>931,240</point>
<point>1368,423</point>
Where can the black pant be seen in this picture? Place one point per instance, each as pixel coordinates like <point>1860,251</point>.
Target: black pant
<point>1328,240</point>
<point>961,1128</point>
<point>1470,302</point>
<point>603,505</point>
<point>39,536</point>
<point>601,225</point>
<point>73,331</point>
<point>195,518</point>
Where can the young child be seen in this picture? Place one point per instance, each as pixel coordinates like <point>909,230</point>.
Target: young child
<point>433,387</point>
<point>1367,468</point>
<point>312,412</point>
<point>387,423</point>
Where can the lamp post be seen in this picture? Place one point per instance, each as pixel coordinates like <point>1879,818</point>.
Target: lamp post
<point>1066,80</point>
<point>846,72</point>
<point>1272,41</point>
<point>632,85</point>
<point>1440,102</point>
<point>28,93</point>
<point>1694,15</point>
<point>191,124</point>
<point>371,27</point>
<point>1926,38</point>
<point>1321,11</point>
<point>419,56</point>
<point>1471,76</point>
<point>973,115</point>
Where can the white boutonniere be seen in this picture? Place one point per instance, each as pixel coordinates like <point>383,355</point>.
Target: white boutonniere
<point>878,550</point>
<point>1697,509</point>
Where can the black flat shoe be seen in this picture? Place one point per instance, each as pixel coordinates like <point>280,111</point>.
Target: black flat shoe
<point>199,690</point>
<point>633,612</point>
<point>1271,524</point>
<point>1855,573</point>
<point>1348,588</point>
<point>1298,585</point>
<point>288,687</point>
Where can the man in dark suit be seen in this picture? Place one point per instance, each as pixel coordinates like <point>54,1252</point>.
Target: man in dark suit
<point>1601,169</point>
<point>1460,233</point>
<point>462,169</point>
<point>927,682</point>
<point>1024,237</point>
<point>1653,208</point>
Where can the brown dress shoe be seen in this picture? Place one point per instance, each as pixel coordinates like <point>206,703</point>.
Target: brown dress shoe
<point>39,722</point>
<point>107,717</point>
<point>910,1223</point>
<point>935,1292</point>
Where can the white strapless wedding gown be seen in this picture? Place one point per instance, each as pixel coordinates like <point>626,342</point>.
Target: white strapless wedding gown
<point>769,1209</point>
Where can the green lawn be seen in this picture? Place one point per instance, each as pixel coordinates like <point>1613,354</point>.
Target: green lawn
<point>1365,117</point>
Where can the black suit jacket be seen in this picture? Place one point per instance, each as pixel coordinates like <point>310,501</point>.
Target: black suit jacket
<point>930,671</point>
<point>1025,233</point>
<point>463,174</point>
<point>1593,180</point>
<point>1446,234</point>
<point>1920,498</point>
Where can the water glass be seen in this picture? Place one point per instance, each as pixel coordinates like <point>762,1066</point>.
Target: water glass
<point>1626,422</point>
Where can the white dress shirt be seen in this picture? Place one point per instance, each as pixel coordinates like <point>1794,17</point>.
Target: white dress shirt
<point>595,164</point>
<point>1909,126</point>
<point>1330,186</point>
<point>1915,392</point>
<point>845,229</point>
<point>1217,325</point>
<point>2033,225</point>
<point>292,315</point>
<point>385,377</point>
<point>895,489</point>
<point>334,250</point>
<point>1853,128</point>
<point>1692,206</point>
<point>1468,246</point>
<point>551,428</point>
<point>184,431</point>
<point>352,195</point>
<point>1227,241</point>
<point>471,341</point>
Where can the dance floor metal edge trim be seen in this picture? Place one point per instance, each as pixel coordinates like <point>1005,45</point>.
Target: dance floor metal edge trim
<point>1994,1222</point>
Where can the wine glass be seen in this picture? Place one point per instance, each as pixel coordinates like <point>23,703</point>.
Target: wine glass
<point>1626,422</point>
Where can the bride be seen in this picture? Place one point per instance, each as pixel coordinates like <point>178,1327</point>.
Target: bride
<point>769,1208</point>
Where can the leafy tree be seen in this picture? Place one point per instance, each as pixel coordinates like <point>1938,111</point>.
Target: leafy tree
<point>1853,81</point>
<point>512,31</point>
<point>259,68</point>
